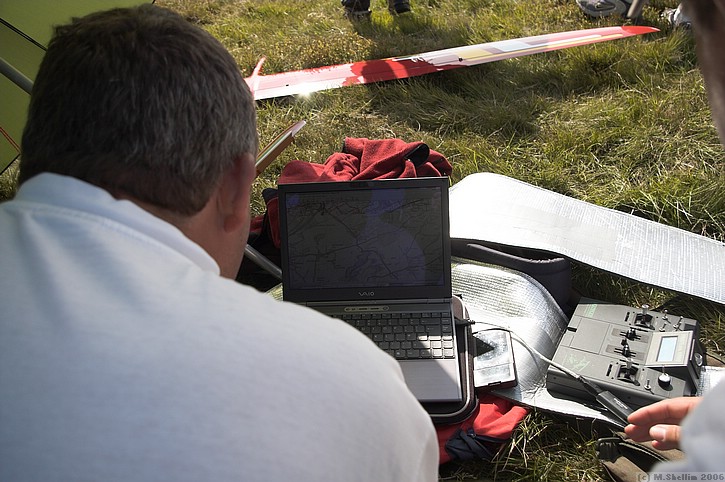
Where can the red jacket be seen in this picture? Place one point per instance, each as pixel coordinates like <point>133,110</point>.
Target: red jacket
<point>360,159</point>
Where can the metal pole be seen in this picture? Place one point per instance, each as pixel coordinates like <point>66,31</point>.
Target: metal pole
<point>635,9</point>
<point>15,76</point>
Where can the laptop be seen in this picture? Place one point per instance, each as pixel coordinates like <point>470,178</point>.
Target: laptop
<point>376,254</point>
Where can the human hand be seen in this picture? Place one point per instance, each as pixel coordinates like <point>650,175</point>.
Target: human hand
<point>660,422</point>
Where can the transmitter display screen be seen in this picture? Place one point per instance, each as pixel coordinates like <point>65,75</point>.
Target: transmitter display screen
<point>670,349</point>
<point>666,352</point>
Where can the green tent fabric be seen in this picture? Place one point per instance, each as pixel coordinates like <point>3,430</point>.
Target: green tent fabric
<point>25,30</point>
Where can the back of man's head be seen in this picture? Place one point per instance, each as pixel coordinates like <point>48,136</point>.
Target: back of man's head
<point>141,103</point>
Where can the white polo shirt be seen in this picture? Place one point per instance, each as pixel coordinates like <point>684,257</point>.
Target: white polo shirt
<point>125,356</point>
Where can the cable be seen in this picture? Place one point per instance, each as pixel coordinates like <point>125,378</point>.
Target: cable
<point>604,397</point>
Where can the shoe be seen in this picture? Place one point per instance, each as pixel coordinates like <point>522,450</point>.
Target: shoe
<point>357,15</point>
<point>676,18</point>
<point>604,8</point>
<point>356,10</point>
<point>398,6</point>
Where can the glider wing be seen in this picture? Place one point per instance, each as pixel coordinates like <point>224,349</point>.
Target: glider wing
<point>369,71</point>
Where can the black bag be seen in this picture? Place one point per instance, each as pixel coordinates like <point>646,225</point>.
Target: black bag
<point>628,461</point>
<point>552,271</point>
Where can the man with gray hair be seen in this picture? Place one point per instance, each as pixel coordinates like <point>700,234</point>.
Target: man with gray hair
<point>126,351</point>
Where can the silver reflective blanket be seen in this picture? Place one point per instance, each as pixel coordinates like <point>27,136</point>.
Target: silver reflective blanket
<point>495,208</point>
<point>497,297</point>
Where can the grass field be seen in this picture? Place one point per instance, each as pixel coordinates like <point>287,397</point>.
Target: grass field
<point>623,124</point>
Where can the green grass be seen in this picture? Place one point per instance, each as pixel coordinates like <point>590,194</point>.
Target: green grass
<point>622,124</point>
<point>8,181</point>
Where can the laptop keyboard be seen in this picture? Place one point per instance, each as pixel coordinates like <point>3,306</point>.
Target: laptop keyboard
<point>407,336</point>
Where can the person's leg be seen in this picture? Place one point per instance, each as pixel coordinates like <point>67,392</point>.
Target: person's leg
<point>356,9</point>
<point>604,8</point>
<point>676,17</point>
<point>398,6</point>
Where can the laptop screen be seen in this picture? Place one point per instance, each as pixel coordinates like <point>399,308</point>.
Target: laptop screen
<point>365,240</point>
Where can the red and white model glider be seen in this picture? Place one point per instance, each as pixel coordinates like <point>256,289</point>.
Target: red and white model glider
<point>368,71</point>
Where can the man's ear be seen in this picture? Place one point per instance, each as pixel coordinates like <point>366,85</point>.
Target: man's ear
<point>234,193</point>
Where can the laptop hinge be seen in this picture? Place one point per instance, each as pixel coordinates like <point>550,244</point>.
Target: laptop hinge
<point>430,301</point>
